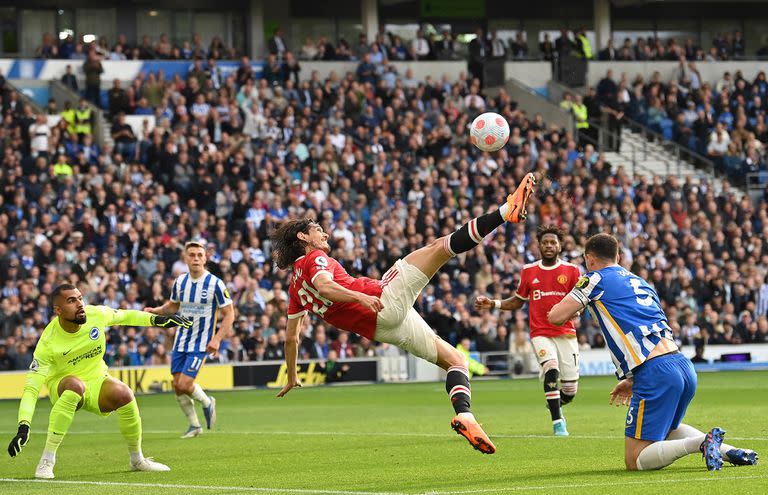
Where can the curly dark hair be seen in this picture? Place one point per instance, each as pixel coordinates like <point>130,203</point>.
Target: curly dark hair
<point>543,230</point>
<point>286,246</point>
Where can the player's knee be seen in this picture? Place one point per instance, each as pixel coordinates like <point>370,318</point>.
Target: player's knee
<point>183,386</point>
<point>122,396</point>
<point>551,365</point>
<point>72,383</point>
<point>630,463</point>
<point>568,391</point>
<point>566,398</point>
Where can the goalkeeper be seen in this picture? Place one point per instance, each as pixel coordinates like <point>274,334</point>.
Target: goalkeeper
<point>69,359</point>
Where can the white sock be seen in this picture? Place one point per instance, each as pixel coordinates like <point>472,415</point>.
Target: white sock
<point>48,456</point>
<point>503,210</point>
<point>188,408</point>
<point>199,395</point>
<point>660,454</point>
<point>136,457</point>
<point>685,431</point>
<point>468,415</point>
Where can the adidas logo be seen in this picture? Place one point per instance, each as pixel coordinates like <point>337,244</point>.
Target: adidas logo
<point>535,281</point>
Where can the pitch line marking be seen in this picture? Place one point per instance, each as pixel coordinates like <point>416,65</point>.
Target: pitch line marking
<point>349,492</point>
<point>618,436</point>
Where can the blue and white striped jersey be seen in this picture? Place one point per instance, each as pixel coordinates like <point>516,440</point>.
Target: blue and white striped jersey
<point>629,313</point>
<point>199,300</point>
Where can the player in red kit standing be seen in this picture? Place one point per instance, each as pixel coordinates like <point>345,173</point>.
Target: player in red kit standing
<point>382,310</point>
<point>542,285</point>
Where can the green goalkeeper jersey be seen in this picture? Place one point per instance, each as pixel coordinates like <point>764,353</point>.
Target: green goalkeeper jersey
<point>60,353</point>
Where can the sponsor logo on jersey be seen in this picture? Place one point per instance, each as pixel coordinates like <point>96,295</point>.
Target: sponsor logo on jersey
<point>321,261</point>
<point>34,365</point>
<point>535,281</point>
<point>538,294</point>
<point>562,279</point>
<point>94,333</point>
<point>226,294</point>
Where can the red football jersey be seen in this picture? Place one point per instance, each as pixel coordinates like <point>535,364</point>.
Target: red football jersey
<point>543,287</point>
<point>303,296</point>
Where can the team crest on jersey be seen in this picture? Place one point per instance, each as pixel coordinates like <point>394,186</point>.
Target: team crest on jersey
<point>94,333</point>
<point>321,261</point>
<point>542,353</point>
<point>583,282</point>
<point>562,279</point>
<point>204,294</point>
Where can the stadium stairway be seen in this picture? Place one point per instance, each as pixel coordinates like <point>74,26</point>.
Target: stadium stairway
<point>643,156</point>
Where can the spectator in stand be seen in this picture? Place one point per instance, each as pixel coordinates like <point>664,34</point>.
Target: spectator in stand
<point>92,69</point>
<point>123,136</point>
<point>421,47</point>
<point>276,44</point>
<point>547,48</point>
<point>445,48</point>
<point>478,52</point>
<point>497,48</point>
<point>68,79</point>
<point>117,99</point>
<point>609,52</point>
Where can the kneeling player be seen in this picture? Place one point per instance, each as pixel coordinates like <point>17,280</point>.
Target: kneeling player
<point>69,359</point>
<point>542,285</point>
<point>657,382</point>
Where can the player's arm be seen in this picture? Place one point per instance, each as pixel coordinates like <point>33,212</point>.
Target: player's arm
<point>169,308</point>
<point>587,289</point>
<point>323,282</point>
<point>509,304</point>
<point>293,330</point>
<point>225,330</point>
<point>135,318</point>
<point>38,372</point>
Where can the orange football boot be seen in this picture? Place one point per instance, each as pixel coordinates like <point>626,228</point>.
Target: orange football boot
<point>518,200</point>
<point>473,432</point>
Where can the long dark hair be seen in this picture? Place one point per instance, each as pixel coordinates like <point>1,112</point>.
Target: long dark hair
<point>286,246</point>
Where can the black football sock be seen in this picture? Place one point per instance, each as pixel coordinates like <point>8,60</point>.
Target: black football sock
<point>457,386</point>
<point>471,234</point>
<point>552,393</point>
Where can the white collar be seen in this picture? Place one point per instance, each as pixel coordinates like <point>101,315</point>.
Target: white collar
<point>557,264</point>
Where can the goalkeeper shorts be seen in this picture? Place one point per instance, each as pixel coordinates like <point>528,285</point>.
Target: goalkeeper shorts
<point>90,397</point>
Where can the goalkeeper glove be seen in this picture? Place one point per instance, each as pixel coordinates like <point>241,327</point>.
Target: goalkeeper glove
<point>171,321</point>
<point>20,440</point>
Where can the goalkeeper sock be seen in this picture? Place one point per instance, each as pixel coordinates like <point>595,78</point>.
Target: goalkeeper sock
<point>62,414</point>
<point>130,426</point>
<point>199,395</point>
<point>552,392</point>
<point>687,431</point>
<point>471,234</point>
<point>188,408</point>
<point>660,454</point>
<point>457,386</point>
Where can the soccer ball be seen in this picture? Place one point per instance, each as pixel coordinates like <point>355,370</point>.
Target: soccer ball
<point>489,132</point>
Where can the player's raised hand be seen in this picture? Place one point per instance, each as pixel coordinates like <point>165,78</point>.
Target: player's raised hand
<point>292,382</point>
<point>621,394</point>
<point>483,302</point>
<point>20,440</point>
<point>371,303</point>
<point>171,321</point>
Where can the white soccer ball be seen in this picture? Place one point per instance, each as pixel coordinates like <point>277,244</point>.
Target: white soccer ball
<point>489,131</point>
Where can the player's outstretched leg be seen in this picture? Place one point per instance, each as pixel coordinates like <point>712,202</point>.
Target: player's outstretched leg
<point>71,390</point>
<point>734,455</point>
<point>656,455</point>
<point>430,258</point>
<point>459,391</point>
<point>209,405</point>
<point>116,396</point>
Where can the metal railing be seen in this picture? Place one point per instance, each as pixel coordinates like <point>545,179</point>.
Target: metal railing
<point>26,100</point>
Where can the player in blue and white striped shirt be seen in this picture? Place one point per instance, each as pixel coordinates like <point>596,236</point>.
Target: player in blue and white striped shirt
<point>198,295</point>
<point>657,382</point>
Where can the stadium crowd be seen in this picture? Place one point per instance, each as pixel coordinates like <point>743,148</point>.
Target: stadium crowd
<point>383,162</point>
<point>725,122</point>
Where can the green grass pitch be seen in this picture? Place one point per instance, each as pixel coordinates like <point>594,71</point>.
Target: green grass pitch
<point>393,439</point>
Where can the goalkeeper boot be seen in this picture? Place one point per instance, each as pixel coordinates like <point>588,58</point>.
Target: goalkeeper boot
<point>741,457</point>
<point>518,200</point>
<point>468,427</point>
<point>560,428</point>
<point>710,448</point>
<point>44,470</point>
<point>192,432</point>
<point>210,414</point>
<point>148,464</point>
